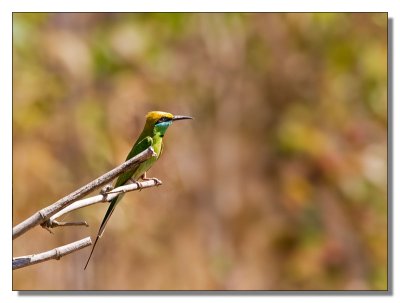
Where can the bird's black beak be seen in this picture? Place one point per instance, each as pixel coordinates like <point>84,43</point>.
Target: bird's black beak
<point>175,118</point>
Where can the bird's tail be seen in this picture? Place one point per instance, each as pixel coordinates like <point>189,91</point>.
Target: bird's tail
<point>91,252</point>
<point>107,216</point>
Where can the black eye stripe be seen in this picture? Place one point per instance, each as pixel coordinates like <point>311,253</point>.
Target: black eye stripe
<point>163,119</point>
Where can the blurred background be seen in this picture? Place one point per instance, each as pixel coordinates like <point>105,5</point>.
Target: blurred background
<point>280,182</point>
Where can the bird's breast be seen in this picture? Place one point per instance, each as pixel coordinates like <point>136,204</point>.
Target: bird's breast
<point>146,165</point>
<point>157,147</point>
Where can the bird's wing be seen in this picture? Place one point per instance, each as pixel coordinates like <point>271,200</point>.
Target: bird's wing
<point>142,145</point>
<point>122,179</point>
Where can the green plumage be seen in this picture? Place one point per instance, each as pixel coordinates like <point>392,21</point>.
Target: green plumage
<point>152,135</point>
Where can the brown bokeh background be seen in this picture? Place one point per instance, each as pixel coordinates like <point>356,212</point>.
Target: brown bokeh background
<point>280,182</point>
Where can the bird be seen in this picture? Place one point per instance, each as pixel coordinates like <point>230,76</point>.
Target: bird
<point>157,123</point>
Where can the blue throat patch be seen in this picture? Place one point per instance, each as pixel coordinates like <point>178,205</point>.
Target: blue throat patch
<point>161,128</point>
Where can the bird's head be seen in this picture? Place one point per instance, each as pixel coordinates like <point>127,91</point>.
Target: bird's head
<point>160,121</point>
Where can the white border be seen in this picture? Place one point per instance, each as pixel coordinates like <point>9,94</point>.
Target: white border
<point>6,9</point>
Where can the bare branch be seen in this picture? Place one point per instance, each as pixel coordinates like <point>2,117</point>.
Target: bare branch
<point>44,214</point>
<point>56,223</point>
<point>55,253</point>
<point>106,197</point>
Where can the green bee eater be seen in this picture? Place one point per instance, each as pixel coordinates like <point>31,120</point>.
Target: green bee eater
<point>156,125</point>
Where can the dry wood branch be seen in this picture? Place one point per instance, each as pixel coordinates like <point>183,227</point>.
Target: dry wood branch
<point>106,197</point>
<point>55,223</point>
<point>55,253</point>
<point>44,214</point>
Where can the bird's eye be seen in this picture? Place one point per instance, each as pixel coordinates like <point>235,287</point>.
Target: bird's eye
<point>163,119</point>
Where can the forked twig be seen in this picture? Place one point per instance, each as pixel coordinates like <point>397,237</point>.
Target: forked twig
<point>45,213</point>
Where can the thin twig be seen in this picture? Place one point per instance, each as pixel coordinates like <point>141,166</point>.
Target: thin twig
<point>55,253</point>
<point>106,197</point>
<point>44,214</point>
<point>56,223</point>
